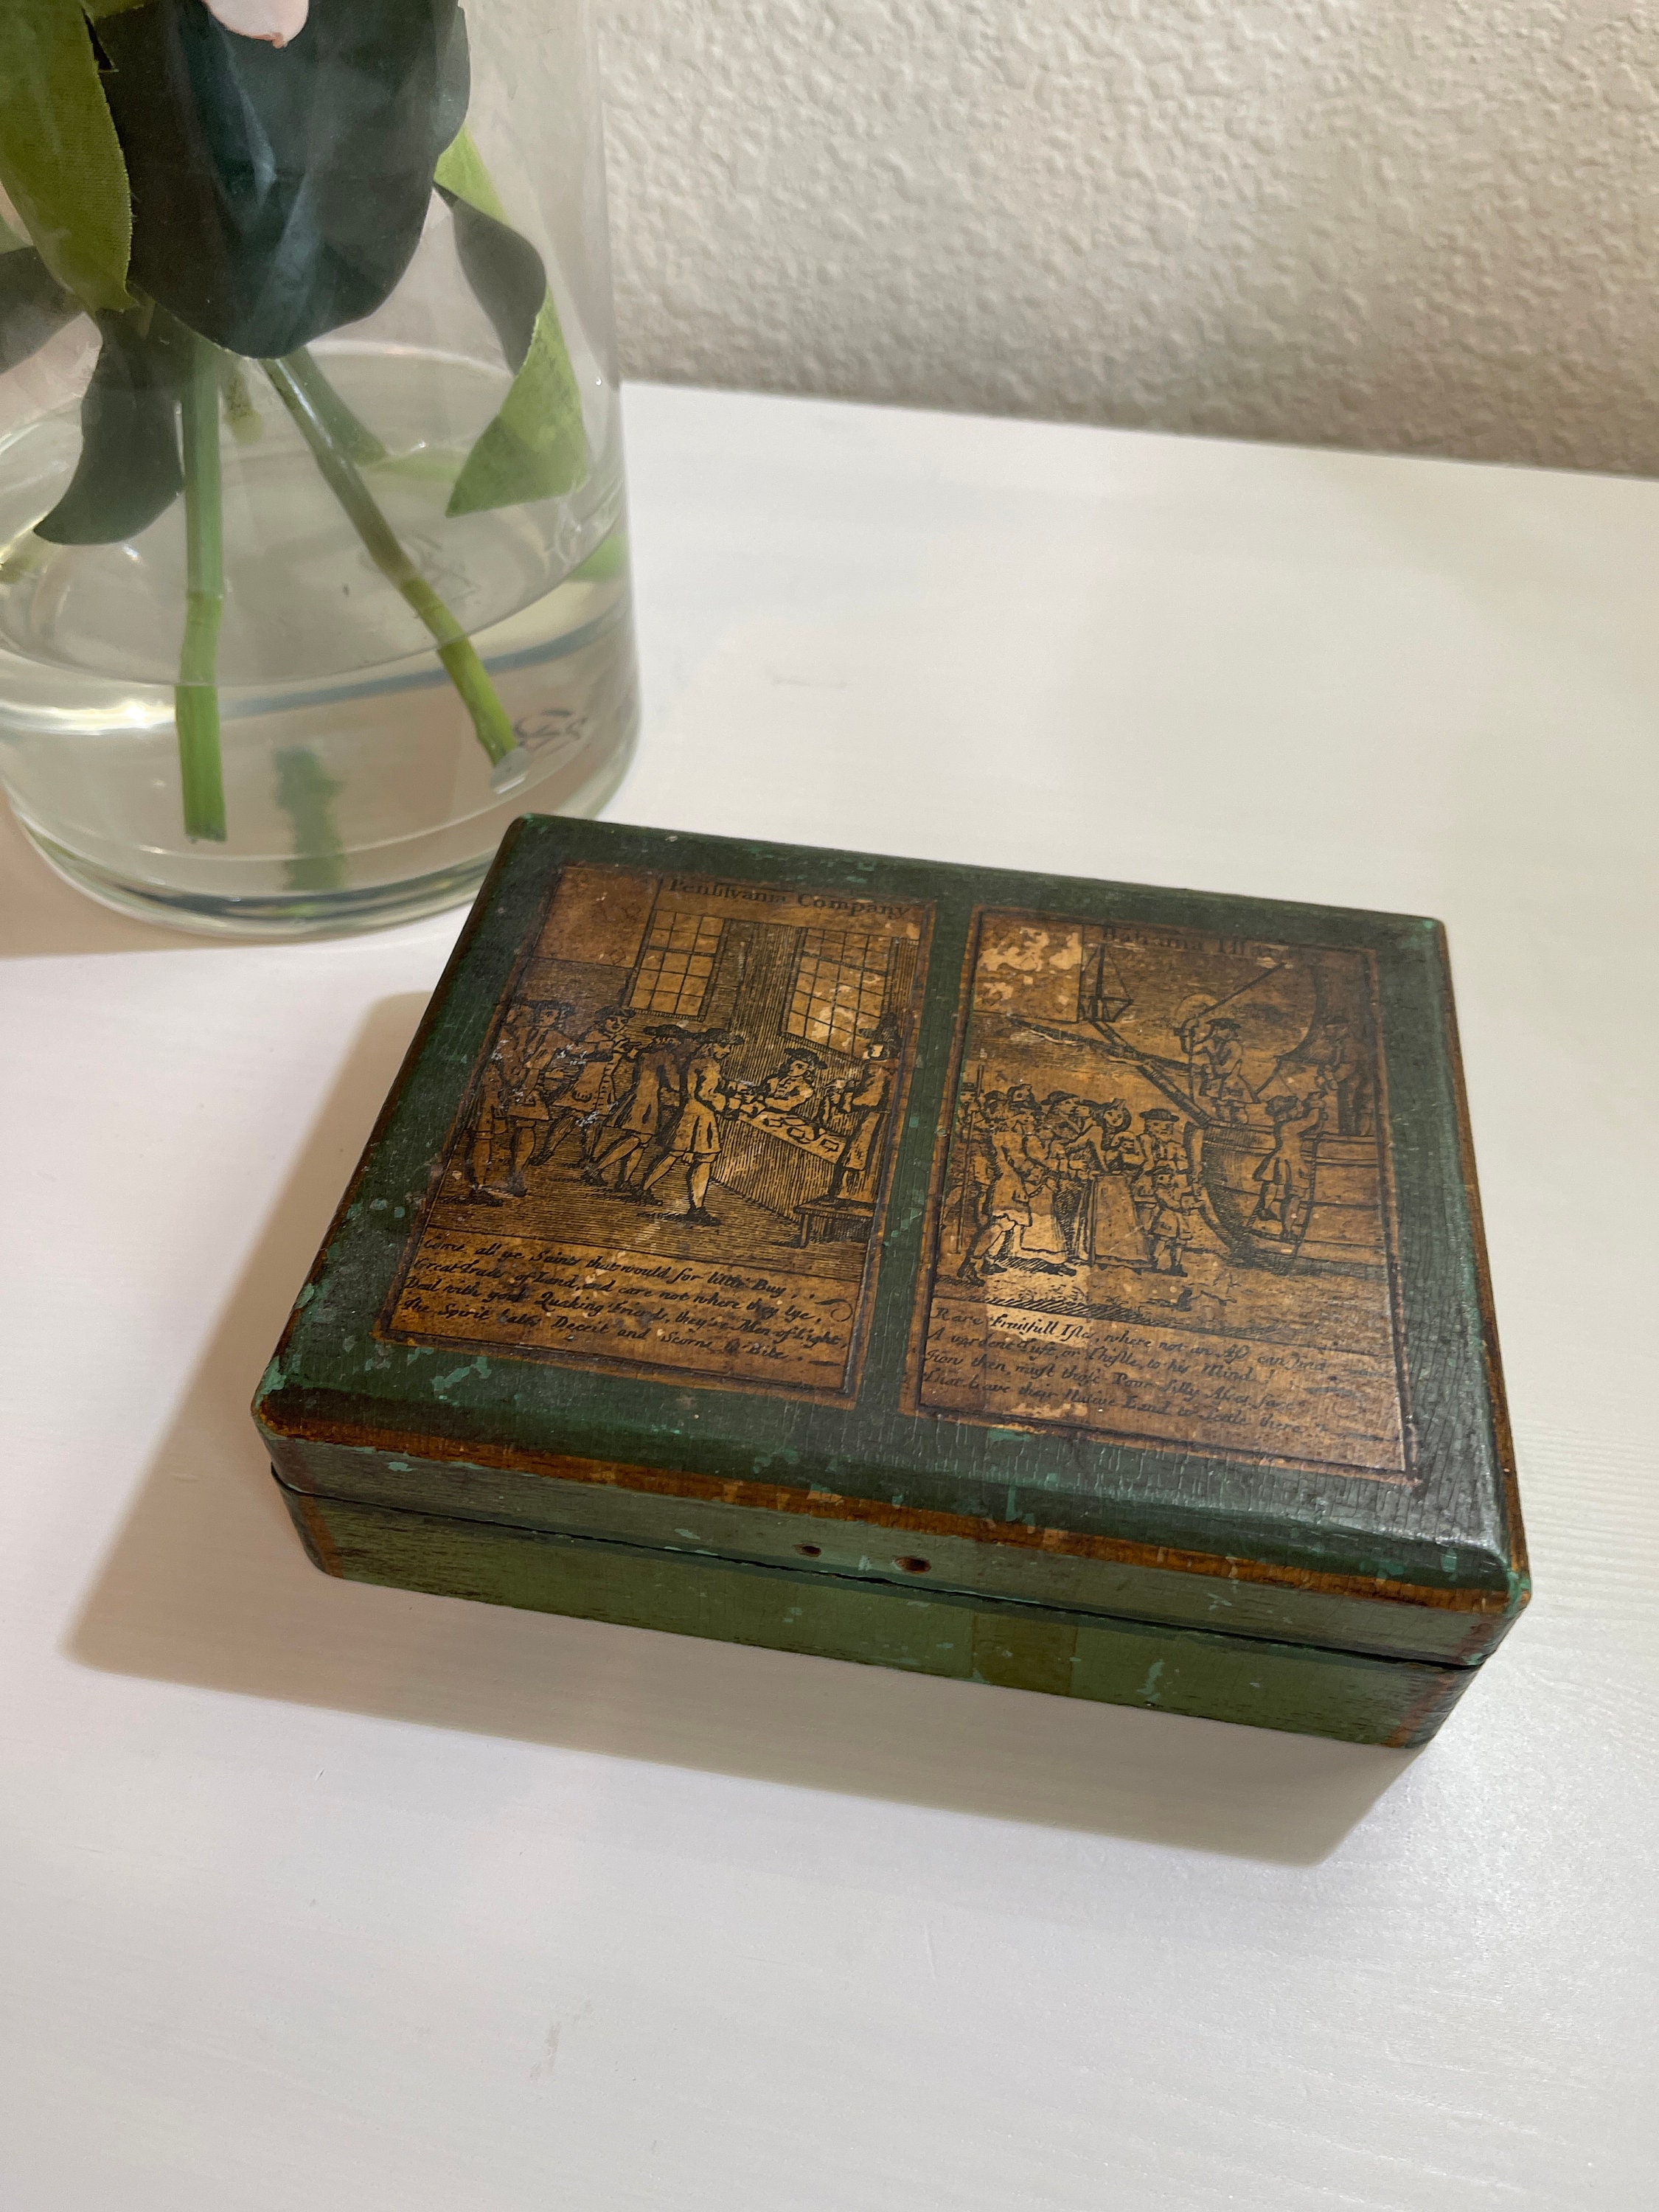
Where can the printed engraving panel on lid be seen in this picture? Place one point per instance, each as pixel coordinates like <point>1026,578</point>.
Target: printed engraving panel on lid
<point>1162,1212</point>
<point>673,1160</point>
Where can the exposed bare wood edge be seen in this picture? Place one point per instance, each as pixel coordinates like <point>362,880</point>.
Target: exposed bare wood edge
<point>827,1506</point>
<point>1492,1362</point>
<point>1422,1718</point>
<point>319,1541</point>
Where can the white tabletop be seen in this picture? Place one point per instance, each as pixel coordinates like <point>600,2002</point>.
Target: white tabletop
<point>315,1895</point>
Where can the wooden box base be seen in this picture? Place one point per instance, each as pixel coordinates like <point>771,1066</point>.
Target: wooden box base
<point>1349,1695</point>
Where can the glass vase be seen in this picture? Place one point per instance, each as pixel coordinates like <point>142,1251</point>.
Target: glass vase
<point>314,562</point>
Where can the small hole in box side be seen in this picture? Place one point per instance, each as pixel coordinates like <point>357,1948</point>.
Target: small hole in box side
<point>914,1566</point>
<point>810,1551</point>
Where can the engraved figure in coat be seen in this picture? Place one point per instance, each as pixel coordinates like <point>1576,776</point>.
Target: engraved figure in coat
<point>1168,1229</point>
<point>586,1080</point>
<point>971,1168</point>
<point>641,1115</point>
<point>979,1164</point>
<point>1285,1177</point>
<point>512,1116</point>
<point>1219,1086</point>
<point>791,1087</point>
<point>552,1043</point>
<point>865,1097</point>
<point>1040,1244</point>
<point>694,1142</point>
<point>1340,1073</point>
<point>1115,1229</point>
<point>1008,1199</point>
<point>1076,1158</point>
<point>1163,1144</point>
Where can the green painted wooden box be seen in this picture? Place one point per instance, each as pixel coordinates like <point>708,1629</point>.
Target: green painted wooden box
<point>1072,1286</point>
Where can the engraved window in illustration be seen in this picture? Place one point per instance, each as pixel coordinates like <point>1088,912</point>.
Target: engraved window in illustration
<point>676,963</point>
<point>840,987</point>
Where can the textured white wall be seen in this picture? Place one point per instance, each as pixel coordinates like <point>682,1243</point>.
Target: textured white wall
<point>1425,225</point>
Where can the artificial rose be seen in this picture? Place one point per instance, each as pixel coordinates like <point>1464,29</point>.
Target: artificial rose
<point>276,21</point>
<point>276,196</point>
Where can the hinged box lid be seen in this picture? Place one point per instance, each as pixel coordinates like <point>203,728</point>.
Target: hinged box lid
<point>1072,1243</point>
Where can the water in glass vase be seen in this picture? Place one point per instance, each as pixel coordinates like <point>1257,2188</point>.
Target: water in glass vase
<point>356,788</point>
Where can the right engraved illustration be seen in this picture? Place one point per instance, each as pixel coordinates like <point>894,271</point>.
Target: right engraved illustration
<point>1161,1213</point>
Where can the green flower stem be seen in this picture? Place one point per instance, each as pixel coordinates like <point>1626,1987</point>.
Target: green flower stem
<point>296,379</point>
<point>242,418</point>
<point>353,437</point>
<point>196,695</point>
<point>306,793</point>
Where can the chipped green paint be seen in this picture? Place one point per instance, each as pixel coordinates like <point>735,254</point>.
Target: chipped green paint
<point>785,1456</point>
<point>479,1366</point>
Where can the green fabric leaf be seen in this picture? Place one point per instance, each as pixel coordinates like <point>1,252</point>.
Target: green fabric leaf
<point>461,175</point>
<point>60,161</point>
<point>506,274</point>
<point>33,306</point>
<point>536,446</point>
<point>130,470</point>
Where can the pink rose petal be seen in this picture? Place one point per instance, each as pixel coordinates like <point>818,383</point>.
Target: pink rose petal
<point>275,20</point>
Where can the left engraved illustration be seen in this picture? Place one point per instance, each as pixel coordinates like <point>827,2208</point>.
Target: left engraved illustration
<point>673,1159</point>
